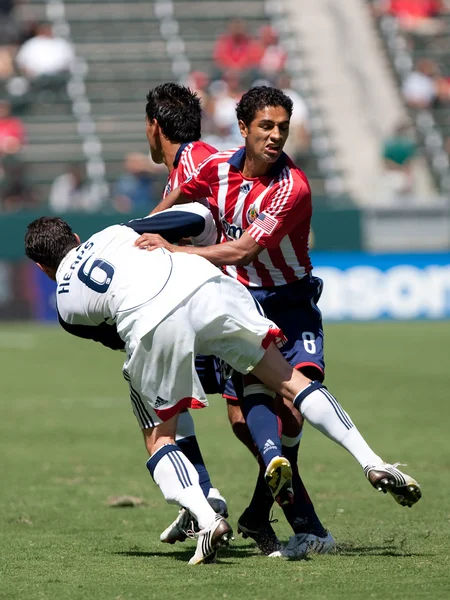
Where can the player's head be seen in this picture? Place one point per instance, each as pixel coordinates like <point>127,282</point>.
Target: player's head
<point>264,114</point>
<point>173,113</point>
<point>47,241</point>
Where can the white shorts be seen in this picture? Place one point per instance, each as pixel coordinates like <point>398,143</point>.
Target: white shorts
<point>220,318</point>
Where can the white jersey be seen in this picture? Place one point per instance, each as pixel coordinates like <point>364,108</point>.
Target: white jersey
<point>108,289</point>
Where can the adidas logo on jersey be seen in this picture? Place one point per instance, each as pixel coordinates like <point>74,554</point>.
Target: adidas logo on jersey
<point>245,188</point>
<point>269,445</point>
<point>160,402</point>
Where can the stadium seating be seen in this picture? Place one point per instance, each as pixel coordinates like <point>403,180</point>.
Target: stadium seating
<point>123,49</point>
<point>433,124</point>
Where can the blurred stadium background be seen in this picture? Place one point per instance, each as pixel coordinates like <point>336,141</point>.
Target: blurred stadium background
<point>370,82</point>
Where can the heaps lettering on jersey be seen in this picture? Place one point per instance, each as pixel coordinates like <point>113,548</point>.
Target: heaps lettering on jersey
<point>63,286</point>
<point>233,232</point>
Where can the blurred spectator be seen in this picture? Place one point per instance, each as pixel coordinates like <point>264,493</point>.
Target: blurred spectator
<point>299,137</point>
<point>45,55</point>
<point>134,190</point>
<point>225,94</point>
<point>236,49</point>
<point>416,16</point>
<point>12,131</point>
<point>15,191</point>
<point>9,37</point>
<point>223,138</point>
<point>73,191</point>
<point>9,28</point>
<point>398,154</point>
<point>272,57</point>
<point>198,82</point>
<point>420,86</point>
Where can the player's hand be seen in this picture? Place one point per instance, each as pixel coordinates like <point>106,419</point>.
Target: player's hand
<point>151,241</point>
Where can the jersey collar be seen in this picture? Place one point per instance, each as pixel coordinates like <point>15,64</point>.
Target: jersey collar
<point>237,160</point>
<point>179,153</point>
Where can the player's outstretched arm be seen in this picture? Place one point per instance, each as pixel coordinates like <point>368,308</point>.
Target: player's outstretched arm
<point>240,252</point>
<point>175,197</point>
<point>173,225</point>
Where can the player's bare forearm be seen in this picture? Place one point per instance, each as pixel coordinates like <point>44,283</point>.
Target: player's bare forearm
<point>175,197</point>
<point>239,252</point>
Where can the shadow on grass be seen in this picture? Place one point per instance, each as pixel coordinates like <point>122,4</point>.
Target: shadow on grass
<point>184,555</point>
<point>391,550</point>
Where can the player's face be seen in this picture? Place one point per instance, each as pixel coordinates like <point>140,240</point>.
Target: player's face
<point>267,133</point>
<point>151,130</point>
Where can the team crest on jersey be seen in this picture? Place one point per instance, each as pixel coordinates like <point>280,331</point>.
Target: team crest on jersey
<point>252,213</point>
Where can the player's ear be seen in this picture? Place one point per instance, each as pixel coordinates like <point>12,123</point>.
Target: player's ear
<point>243,128</point>
<point>77,237</point>
<point>50,272</point>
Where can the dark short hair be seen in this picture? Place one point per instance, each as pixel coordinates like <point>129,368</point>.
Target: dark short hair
<point>258,98</point>
<point>178,111</point>
<point>48,240</point>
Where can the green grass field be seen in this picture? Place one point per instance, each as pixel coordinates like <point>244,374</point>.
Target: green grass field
<point>69,441</point>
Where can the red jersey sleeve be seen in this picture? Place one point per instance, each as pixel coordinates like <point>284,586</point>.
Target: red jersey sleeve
<point>281,212</point>
<point>197,185</point>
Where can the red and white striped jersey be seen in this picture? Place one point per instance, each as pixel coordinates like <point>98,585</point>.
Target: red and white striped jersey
<point>187,159</point>
<point>275,210</point>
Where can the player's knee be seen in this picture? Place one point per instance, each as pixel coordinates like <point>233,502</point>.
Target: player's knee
<point>155,438</point>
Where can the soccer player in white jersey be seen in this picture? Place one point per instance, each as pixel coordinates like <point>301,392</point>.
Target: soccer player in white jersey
<point>183,306</point>
<point>264,205</point>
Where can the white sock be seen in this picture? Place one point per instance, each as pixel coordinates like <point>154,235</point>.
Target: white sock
<point>177,479</point>
<point>323,411</point>
<point>290,442</point>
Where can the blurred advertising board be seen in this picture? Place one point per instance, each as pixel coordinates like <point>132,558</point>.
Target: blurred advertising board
<point>357,287</point>
<point>365,287</point>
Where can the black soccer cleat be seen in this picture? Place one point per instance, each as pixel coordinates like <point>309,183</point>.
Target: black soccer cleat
<point>261,533</point>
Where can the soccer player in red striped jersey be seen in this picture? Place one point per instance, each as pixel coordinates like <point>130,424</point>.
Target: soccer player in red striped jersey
<point>173,128</point>
<point>264,204</point>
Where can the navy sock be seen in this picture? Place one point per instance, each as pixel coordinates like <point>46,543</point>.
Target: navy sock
<point>259,413</point>
<point>190,448</point>
<point>300,515</point>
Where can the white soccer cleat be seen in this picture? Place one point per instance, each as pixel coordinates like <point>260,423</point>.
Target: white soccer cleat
<point>177,531</point>
<point>387,478</point>
<point>185,522</point>
<point>278,477</point>
<point>302,544</point>
<point>218,534</point>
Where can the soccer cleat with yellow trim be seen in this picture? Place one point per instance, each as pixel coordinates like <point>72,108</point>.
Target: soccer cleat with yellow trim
<point>387,478</point>
<point>278,477</point>
<point>210,540</point>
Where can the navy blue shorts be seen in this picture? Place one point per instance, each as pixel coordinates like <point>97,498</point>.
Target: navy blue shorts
<point>208,370</point>
<point>293,307</point>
